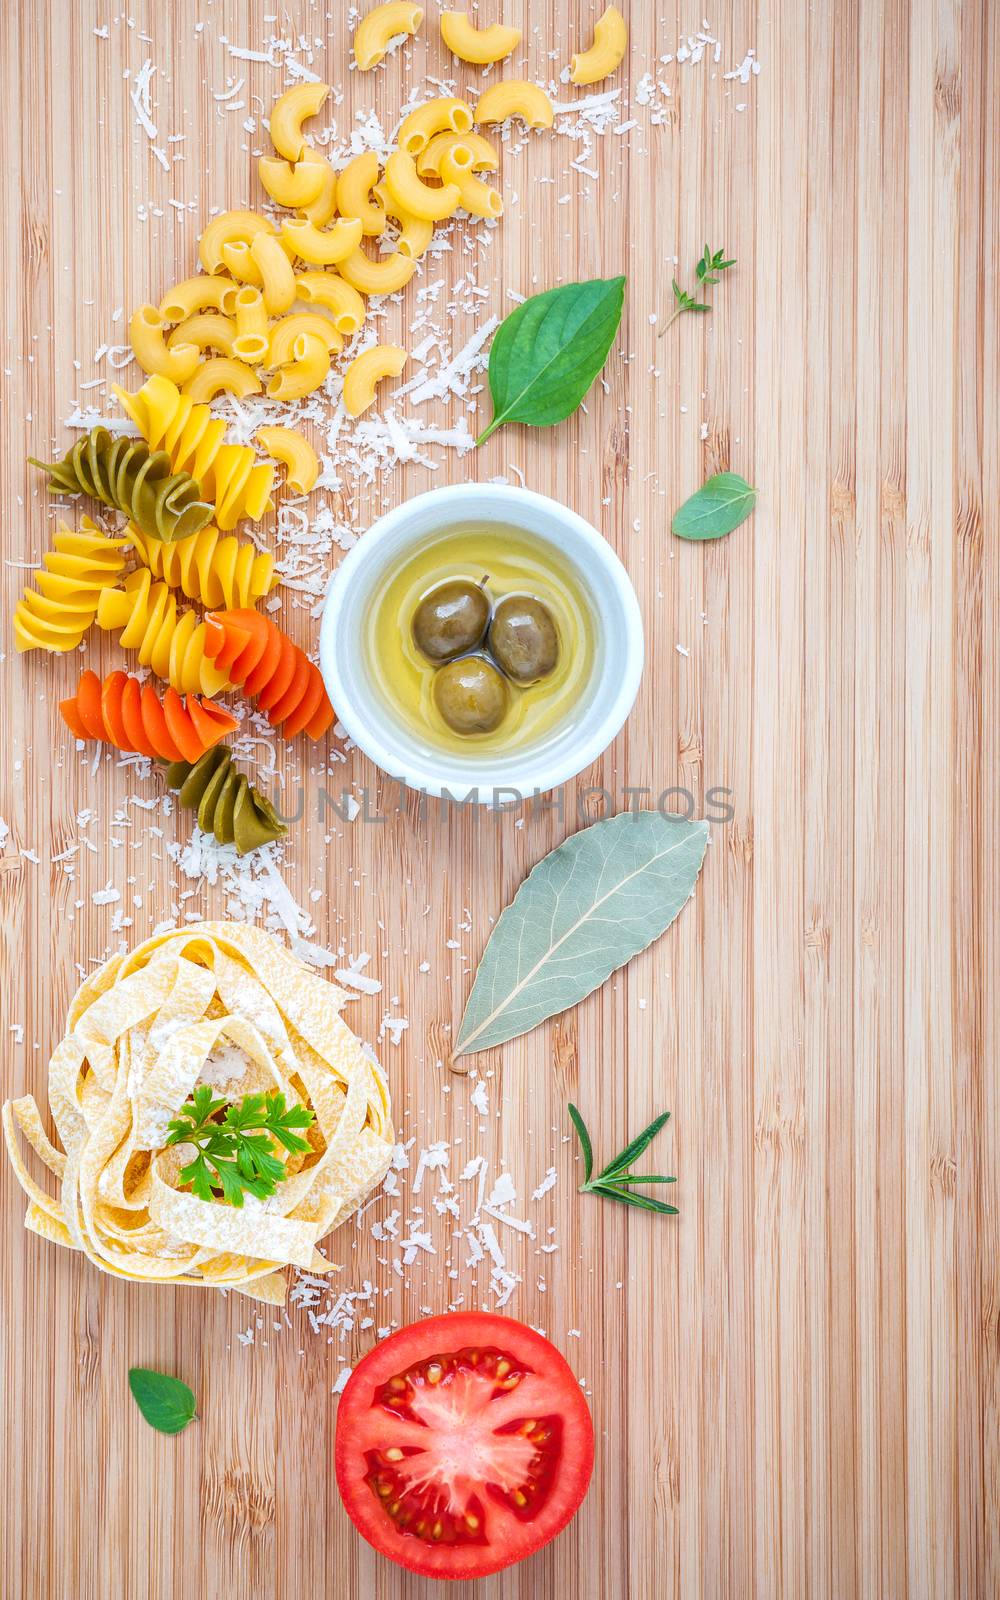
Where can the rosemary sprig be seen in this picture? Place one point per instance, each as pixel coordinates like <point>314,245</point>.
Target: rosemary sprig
<point>234,1143</point>
<point>611,1183</point>
<point>708,272</point>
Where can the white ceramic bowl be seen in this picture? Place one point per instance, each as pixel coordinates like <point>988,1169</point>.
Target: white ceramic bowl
<point>489,777</point>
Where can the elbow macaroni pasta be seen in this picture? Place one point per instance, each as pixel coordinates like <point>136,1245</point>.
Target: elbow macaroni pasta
<point>170,642</point>
<point>288,114</point>
<point>305,372</point>
<point>56,614</point>
<point>251,342</point>
<point>484,157</point>
<point>233,227</point>
<point>323,248</point>
<point>152,351</point>
<point>366,371</point>
<point>444,115</point>
<point>216,571</point>
<point>329,289</point>
<point>415,233</point>
<point>606,51</point>
<point>323,209</point>
<point>354,187</point>
<point>475,197</point>
<point>375,32</point>
<point>291,184</point>
<point>296,455</point>
<point>202,293</point>
<point>206,330</point>
<point>286,330</point>
<point>277,280</point>
<point>479,46</point>
<point>222,375</point>
<point>385,276</point>
<point>415,196</point>
<point>515,98</point>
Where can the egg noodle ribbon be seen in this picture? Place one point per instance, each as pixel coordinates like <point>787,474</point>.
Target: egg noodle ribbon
<point>140,1033</point>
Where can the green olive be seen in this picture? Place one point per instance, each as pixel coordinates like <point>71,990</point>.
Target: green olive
<point>471,695</point>
<point>523,638</point>
<point>451,620</point>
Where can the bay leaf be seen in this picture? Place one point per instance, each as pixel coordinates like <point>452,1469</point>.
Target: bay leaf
<point>583,911</point>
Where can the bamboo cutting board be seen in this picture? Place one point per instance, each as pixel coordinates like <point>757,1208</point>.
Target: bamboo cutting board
<point>794,1384</point>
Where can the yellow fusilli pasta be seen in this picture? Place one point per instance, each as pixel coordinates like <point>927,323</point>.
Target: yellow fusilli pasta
<point>217,570</point>
<point>57,613</point>
<point>229,475</point>
<point>170,642</point>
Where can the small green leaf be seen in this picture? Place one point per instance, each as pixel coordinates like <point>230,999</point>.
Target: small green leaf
<point>644,1202</point>
<point>167,1404</point>
<point>719,506</point>
<point>547,353</point>
<point>585,1145</point>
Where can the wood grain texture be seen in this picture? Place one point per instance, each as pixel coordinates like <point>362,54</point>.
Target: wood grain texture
<point>795,1385</point>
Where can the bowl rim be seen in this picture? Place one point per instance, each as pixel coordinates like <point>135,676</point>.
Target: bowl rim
<point>507,496</point>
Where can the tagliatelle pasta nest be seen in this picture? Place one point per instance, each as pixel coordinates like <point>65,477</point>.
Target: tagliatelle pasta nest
<point>226,1004</point>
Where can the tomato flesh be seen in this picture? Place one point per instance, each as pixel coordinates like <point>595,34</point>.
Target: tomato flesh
<point>458,1455</point>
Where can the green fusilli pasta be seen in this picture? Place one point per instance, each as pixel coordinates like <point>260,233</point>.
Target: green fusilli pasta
<point>228,805</point>
<point>126,475</point>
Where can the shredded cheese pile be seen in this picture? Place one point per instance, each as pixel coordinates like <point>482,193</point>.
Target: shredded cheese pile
<point>141,1033</point>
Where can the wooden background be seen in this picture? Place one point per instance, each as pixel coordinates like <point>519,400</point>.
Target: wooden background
<point>795,1388</point>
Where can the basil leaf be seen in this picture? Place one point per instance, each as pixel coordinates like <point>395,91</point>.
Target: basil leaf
<point>719,506</point>
<point>584,910</point>
<point>547,353</point>
<point>167,1404</point>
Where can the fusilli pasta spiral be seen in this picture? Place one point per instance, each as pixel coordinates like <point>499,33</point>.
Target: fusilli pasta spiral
<point>130,715</point>
<point>57,613</point>
<point>227,803</point>
<point>217,570</point>
<point>169,641</point>
<point>192,440</point>
<point>263,661</point>
<point>127,475</point>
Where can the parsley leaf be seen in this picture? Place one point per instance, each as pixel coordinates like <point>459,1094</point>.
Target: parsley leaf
<point>234,1149</point>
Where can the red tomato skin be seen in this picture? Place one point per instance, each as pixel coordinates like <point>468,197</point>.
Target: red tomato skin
<point>456,1330</point>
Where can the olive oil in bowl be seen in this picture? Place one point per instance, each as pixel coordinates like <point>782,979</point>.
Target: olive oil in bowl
<point>503,561</point>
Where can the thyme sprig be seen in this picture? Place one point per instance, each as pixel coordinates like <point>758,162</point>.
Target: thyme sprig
<point>708,272</point>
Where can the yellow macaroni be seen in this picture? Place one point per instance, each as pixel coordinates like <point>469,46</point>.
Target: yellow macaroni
<point>320,211</point>
<point>151,349</point>
<point>323,247</point>
<point>230,228</point>
<point>277,280</point>
<point>354,187</point>
<point>484,157</point>
<point>206,330</point>
<point>238,259</point>
<point>288,114</point>
<point>375,32</point>
<point>366,371</point>
<point>605,53</point>
<point>286,330</point>
<point>291,183</point>
<point>305,372</point>
<point>478,45</point>
<point>198,294</point>
<point>337,295</point>
<point>476,197</point>
<point>444,115</point>
<point>415,233</point>
<point>415,196</point>
<point>251,343</point>
<point>516,98</point>
<point>377,277</point>
<point>294,452</point>
<point>222,375</point>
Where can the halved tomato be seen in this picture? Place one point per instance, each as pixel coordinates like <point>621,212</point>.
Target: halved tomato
<point>463,1445</point>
